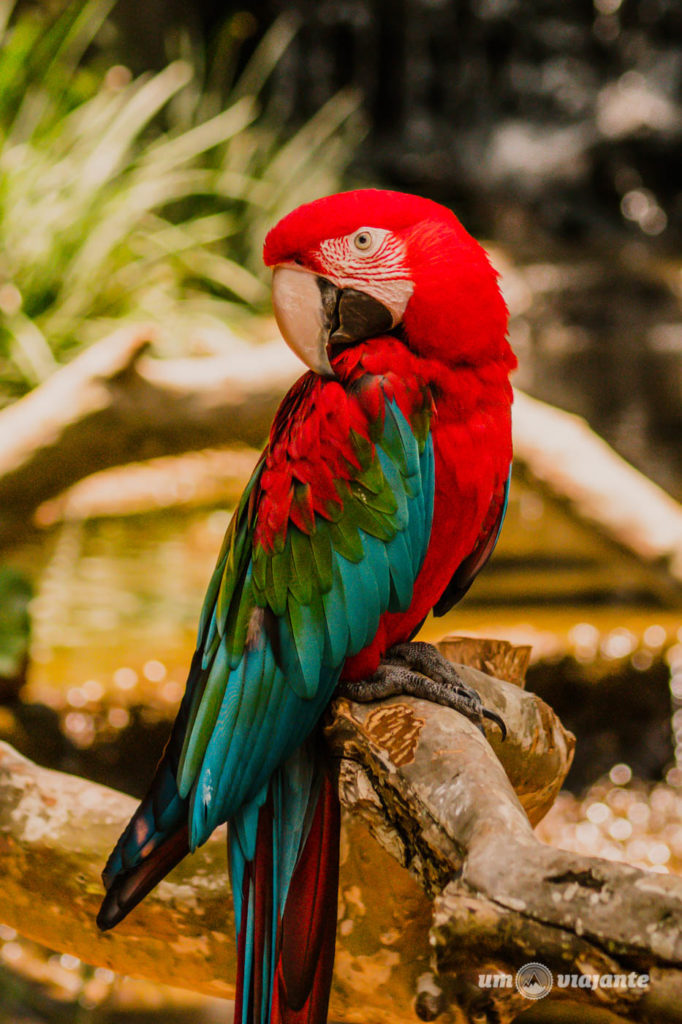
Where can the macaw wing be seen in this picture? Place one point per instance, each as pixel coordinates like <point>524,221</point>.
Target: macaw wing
<point>469,568</point>
<point>275,630</point>
<point>278,624</point>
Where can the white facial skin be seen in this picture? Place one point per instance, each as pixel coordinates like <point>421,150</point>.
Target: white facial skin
<point>370,260</point>
<point>373,261</point>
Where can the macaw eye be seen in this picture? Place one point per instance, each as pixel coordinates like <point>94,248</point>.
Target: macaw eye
<point>363,240</point>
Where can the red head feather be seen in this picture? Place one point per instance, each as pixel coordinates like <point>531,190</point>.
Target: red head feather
<point>304,228</point>
<point>456,312</point>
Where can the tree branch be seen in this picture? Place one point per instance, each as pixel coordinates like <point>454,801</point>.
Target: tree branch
<point>502,898</point>
<point>114,404</point>
<point>56,831</point>
<point>441,803</point>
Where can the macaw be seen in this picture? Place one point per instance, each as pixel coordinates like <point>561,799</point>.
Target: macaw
<point>378,498</point>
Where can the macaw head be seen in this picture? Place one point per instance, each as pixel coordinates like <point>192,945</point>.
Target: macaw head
<point>358,265</point>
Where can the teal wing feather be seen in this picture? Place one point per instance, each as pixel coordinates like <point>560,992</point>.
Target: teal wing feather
<point>275,630</point>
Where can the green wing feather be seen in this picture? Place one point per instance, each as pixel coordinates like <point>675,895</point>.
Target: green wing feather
<point>277,626</point>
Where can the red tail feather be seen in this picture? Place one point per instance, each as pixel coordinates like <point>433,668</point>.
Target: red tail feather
<point>308,930</point>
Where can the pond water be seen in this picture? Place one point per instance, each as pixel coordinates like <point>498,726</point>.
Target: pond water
<point>117,600</point>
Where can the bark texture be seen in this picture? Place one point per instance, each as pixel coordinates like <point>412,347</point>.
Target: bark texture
<point>441,803</point>
<point>501,898</point>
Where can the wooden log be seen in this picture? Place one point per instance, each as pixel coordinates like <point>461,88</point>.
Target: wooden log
<point>499,658</point>
<point>56,831</point>
<point>441,803</point>
<point>502,898</point>
<point>438,799</point>
<point>114,404</point>
<point>562,454</point>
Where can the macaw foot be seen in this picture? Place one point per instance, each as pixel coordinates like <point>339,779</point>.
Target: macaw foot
<point>419,670</point>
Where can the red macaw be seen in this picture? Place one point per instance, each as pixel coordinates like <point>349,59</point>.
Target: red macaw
<point>378,498</point>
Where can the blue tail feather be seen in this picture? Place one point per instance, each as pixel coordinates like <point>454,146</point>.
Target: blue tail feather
<point>271,830</point>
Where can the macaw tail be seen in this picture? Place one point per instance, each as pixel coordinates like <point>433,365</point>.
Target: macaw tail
<point>284,863</point>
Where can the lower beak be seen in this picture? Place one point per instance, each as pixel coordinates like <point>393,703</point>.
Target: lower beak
<point>314,315</point>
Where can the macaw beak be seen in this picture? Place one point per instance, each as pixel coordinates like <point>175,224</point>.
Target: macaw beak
<point>314,315</point>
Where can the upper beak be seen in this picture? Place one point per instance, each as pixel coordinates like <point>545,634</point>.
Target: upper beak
<point>313,314</point>
<point>301,316</point>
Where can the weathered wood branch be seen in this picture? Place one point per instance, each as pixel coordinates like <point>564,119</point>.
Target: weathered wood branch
<point>512,899</point>
<point>560,452</point>
<point>438,799</point>
<point>115,404</point>
<point>56,831</point>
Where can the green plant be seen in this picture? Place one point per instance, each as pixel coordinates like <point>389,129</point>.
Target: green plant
<point>15,594</point>
<point>141,198</point>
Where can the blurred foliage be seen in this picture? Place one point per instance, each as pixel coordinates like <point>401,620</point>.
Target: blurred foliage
<point>15,594</point>
<point>143,198</point>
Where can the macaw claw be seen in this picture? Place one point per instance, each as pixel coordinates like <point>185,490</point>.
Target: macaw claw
<point>493,716</point>
<point>419,670</point>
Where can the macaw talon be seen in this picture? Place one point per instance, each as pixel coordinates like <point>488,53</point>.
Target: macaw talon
<point>427,659</point>
<point>419,670</point>
<point>493,716</point>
